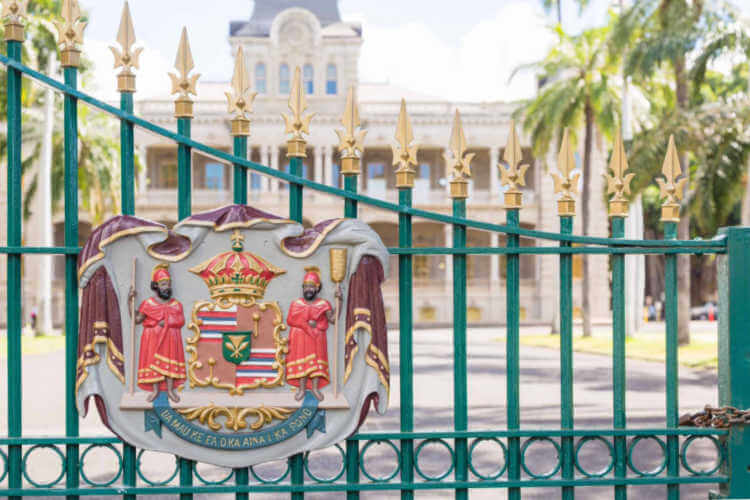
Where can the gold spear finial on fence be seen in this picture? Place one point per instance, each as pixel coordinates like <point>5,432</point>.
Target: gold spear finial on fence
<point>459,160</point>
<point>240,99</point>
<point>515,174</point>
<point>350,138</point>
<point>126,57</point>
<point>14,13</point>
<point>566,182</point>
<point>671,189</point>
<point>182,83</point>
<point>618,182</point>
<point>404,153</point>
<point>297,122</point>
<point>70,34</point>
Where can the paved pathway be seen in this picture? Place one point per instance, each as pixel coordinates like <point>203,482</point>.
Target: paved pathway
<point>43,409</point>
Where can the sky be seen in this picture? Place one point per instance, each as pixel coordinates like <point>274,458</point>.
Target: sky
<point>461,51</point>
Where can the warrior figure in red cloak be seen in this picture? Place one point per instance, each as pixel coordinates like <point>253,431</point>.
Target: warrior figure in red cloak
<point>161,360</point>
<point>308,320</point>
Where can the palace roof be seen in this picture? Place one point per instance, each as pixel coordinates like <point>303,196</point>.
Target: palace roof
<point>265,11</point>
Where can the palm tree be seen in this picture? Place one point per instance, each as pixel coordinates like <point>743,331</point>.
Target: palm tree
<point>662,39</point>
<point>580,93</point>
<point>548,4</point>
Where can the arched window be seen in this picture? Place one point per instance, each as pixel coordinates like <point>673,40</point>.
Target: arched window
<point>284,79</point>
<point>260,78</point>
<point>307,75</point>
<point>332,80</point>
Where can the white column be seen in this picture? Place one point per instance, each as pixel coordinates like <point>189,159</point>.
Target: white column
<point>448,231</point>
<point>328,165</point>
<point>494,262</point>
<point>318,164</point>
<point>274,151</point>
<point>265,159</point>
<point>44,315</point>
<point>494,174</point>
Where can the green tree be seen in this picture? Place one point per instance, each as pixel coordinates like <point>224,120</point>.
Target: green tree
<point>580,93</point>
<point>557,5</point>
<point>670,44</point>
<point>98,172</point>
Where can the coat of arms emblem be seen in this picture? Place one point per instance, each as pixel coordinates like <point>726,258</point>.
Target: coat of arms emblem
<point>236,337</point>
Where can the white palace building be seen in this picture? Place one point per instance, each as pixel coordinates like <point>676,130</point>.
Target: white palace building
<point>281,35</point>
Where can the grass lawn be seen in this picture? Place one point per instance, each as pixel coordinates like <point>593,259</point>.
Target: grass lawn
<point>34,345</point>
<point>698,354</point>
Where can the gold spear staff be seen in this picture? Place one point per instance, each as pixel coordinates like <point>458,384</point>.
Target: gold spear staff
<point>338,273</point>
<point>133,357</point>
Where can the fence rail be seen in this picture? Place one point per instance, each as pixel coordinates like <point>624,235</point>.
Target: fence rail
<point>514,469</point>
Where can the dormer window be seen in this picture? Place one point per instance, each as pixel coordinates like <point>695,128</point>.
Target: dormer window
<point>307,75</point>
<point>284,79</point>
<point>260,78</point>
<point>332,80</point>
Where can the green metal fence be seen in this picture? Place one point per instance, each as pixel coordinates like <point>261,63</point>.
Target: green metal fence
<point>514,471</point>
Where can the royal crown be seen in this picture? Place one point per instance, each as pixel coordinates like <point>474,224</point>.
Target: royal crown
<point>236,276</point>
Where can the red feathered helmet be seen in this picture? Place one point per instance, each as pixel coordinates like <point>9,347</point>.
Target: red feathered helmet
<point>312,277</point>
<point>160,273</point>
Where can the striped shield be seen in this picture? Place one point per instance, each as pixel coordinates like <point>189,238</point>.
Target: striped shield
<point>254,361</point>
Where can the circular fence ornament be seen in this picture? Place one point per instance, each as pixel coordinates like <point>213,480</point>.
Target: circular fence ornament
<point>363,460</point>
<point>721,456</point>
<point>558,461</point>
<point>105,446</point>
<point>333,478</point>
<point>610,453</point>
<point>659,468</point>
<point>475,470</point>
<point>25,465</point>
<point>164,482</point>
<point>451,462</point>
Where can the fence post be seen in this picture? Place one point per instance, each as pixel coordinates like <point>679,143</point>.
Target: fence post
<point>459,191</point>
<point>127,59</point>
<point>512,178</point>
<point>14,36</point>
<point>183,112</point>
<point>351,143</point>
<point>734,355</point>
<point>566,184</point>
<point>71,58</point>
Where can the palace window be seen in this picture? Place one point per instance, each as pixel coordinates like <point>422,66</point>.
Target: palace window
<point>260,78</point>
<point>332,80</point>
<point>307,75</point>
<point>210,174</point>
<point>162,168</point>
<point>284,79</point>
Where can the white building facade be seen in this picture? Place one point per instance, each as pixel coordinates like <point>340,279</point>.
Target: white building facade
<point>284,34</point>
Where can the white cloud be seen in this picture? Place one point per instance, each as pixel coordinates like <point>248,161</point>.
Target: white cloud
<point>151,78</point>
<point>478,68</point>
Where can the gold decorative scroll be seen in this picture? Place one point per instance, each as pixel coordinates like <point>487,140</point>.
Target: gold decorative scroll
<point>235,418</point>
